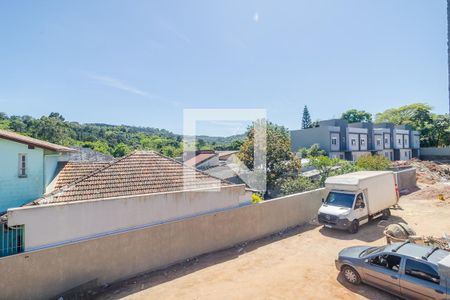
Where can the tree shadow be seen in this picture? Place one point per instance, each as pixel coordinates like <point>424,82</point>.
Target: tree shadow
<point>364,290</point>
<point>123,288</point>
<point>369,232</point>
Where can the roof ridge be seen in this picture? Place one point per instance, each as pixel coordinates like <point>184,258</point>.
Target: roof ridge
<point>74,183</point>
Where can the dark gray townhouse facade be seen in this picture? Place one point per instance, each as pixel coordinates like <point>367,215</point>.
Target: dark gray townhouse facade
<point>350,141</point>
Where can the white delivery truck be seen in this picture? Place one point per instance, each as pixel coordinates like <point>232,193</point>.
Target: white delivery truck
<point>355,198</point>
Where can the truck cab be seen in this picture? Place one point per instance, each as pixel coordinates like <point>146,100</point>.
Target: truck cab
<point>353,199</point>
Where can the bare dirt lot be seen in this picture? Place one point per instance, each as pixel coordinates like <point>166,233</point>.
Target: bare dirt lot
<point>296,264</point>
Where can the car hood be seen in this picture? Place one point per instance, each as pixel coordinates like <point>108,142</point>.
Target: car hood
<point>353,252</point>
<point>334,210</point>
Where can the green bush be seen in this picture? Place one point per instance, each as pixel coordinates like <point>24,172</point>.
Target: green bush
<point>373,163</point>
<point>297,185</point>
<point>312,151</point>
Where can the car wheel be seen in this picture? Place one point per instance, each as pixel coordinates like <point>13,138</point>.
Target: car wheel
<point>386,214</point>
<point>354,227</point>
<point>351,275</point>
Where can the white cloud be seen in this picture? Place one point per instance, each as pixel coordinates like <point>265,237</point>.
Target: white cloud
<point>256,17</point>
<point>117,84</point>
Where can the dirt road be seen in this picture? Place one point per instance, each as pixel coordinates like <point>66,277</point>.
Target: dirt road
<point>297,264</point>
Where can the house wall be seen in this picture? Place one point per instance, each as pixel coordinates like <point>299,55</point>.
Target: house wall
<point>47,273</point>
<point>304,138</point>
<point>50,165</point>
<point>53,224</point>
<point>15,191</point>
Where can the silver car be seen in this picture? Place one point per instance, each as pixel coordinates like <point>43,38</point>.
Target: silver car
<point>404,269</point>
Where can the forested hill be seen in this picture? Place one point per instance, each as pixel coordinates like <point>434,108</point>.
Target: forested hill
<point>117,140</point>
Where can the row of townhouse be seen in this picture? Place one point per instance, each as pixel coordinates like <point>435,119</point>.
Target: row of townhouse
<point>350,141</point>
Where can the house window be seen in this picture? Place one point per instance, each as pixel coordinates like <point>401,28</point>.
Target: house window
<point>22,165</point>
<point>363,142</point>
<point>386,141</point>
<point>334,141</point>
<point>399,141</point>
<point>353,142</point>
<point>378,142</point>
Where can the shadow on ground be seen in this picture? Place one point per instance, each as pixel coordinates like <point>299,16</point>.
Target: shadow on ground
<point>144,281</point>
<point>368,233</point>
<point>365,290</point>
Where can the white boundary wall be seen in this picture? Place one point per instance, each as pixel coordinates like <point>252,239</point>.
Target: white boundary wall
<point>47,273</point>
<point>55,224</point>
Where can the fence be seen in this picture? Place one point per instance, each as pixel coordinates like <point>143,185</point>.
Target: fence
<point>47,273</point>
<point>11,239</point>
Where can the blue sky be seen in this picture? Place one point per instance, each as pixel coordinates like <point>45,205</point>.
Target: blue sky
<point>142,62</point>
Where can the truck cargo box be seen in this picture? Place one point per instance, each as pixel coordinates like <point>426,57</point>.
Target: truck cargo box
<point>378,187</point>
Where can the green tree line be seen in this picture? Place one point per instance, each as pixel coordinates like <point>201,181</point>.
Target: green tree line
<point>116,140</point>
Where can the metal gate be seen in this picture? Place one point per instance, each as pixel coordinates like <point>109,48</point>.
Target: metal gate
<point>11,239</point>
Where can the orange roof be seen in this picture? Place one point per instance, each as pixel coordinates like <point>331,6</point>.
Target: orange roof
<point>12,136</point>
<point>73,171</point>
<point>135,174</point>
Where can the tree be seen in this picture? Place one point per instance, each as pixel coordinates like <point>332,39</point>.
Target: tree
<point>306,119</point>
<point>433,128</point>
<point>297,185</point>
<point>52,129</point>
<point>373,162</point>
<point>121,150</point>
<point>416,114</point>
<point>312,151</point>
<point>355,116</point>
<point>326,166</point>
<point>280,161</point>
<point>438,132</point>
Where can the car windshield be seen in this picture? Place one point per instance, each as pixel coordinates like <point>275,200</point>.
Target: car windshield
<point>372,250</point>
<point>340,199</point>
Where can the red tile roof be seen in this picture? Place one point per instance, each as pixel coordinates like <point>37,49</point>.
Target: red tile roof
<point>136,174</point>
<point>12,136</point>
<point>74,171</point>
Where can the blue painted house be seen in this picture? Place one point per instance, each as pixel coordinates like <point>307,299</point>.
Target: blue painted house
<point>27,166</point>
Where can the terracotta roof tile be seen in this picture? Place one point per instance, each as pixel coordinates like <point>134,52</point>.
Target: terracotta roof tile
<point>136,174</point>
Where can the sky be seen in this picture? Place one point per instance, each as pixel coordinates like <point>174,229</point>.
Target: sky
<point>143,62</point>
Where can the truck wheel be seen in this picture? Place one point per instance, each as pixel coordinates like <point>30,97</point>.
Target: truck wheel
<point>354,227</point>
<point>386,214</point>
<point>351,275</point>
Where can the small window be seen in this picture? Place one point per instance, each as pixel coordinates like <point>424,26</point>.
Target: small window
<point>387,261</point>
<point>386,141</point>
<point>353,142</point>
<point>334,141</point>
<point>421,271</point>
<point>22,165</point>
<point>363,142</point>
<point>399,141</point>
<point>378,142</point>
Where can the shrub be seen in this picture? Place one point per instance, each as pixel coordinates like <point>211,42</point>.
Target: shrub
<point>297,185</point>
<point>373,162</point>
<point>256,198</point>
<point>312,151</point>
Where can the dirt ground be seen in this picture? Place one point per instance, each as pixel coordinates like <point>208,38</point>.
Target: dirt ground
<point>296,264</point>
